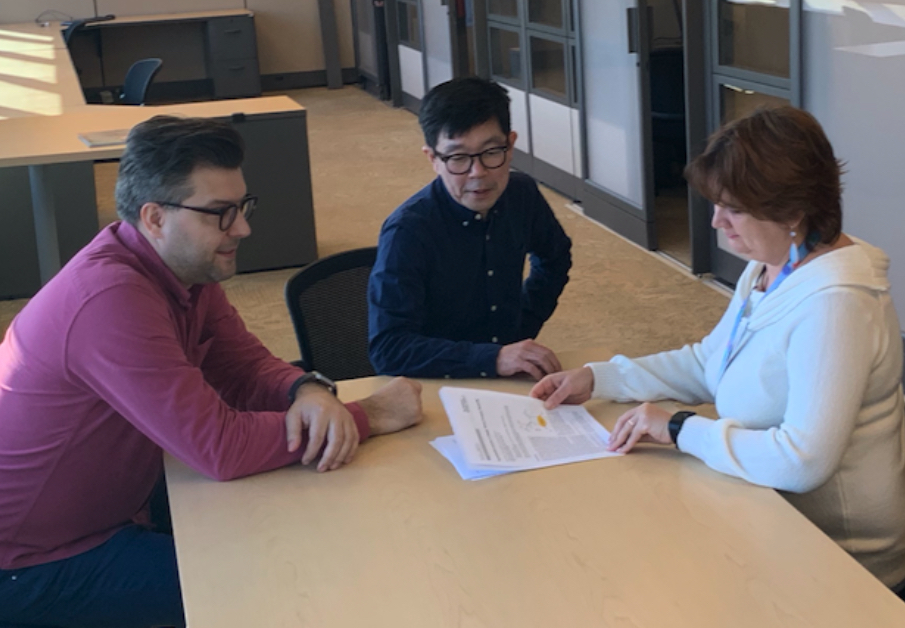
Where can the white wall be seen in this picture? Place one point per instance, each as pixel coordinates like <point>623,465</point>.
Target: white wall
<point>15,11</point>
<point>854,83</point>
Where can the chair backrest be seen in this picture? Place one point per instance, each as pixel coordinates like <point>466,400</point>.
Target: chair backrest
<point>328,303</point>
<point>138,78</point>
<point>74,27</point>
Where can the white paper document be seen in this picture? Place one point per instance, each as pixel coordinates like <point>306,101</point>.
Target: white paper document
<point>104,138</point>
<point>500,432</point>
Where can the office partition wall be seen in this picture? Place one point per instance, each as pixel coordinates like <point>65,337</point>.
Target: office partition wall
<point>617,189</point>
<point>533,54</point>
<point>754,60</point>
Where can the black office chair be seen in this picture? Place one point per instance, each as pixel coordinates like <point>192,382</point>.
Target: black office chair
<point>328,303</point>
<point>73,27</point>
<point>137,81</point>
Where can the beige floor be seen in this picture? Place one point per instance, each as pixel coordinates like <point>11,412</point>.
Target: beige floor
<point>366,160</point>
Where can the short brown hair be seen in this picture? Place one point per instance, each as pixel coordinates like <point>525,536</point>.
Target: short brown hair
<point>776,164</point>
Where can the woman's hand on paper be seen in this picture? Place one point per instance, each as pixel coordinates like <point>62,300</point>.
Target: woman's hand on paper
<point>646,423</point>
<point>573,386</point>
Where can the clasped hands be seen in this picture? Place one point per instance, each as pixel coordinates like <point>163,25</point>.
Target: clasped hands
<point>646,423</point>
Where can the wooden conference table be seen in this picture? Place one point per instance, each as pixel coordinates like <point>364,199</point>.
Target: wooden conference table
<point>653,539</point>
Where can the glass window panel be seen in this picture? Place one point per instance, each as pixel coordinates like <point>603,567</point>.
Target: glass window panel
<point>505,54</point>
<point>409,30</point>
<point>755,37</point>
<point>505,8</point>
<point>736,102</point>
<point>403,18</point>
<point>546,12</point>
<point>548,66</point>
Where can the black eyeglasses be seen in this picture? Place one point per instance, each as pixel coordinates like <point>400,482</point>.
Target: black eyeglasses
<point>227,214</point>
<point>461,163</point>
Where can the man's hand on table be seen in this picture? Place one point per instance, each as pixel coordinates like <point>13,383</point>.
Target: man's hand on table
<point>324,417</point>
<point>528,357</point>
<point>394,407</point>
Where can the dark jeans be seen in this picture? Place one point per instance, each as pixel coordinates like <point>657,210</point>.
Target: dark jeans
<point>129,581</point>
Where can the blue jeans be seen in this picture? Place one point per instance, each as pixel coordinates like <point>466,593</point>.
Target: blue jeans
<point>129,581</point>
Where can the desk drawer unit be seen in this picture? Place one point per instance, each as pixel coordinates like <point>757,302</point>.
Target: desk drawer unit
<point>232,57</point>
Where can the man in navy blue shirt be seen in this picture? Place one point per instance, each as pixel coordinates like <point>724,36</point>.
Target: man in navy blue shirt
<point>447,295</point>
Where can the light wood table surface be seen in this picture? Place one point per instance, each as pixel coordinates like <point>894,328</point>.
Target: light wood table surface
<point>36,73</point>
<point>33,140</point>
<point>653,539</point>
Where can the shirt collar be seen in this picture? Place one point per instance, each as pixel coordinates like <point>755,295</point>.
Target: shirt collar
<point>136,242</point>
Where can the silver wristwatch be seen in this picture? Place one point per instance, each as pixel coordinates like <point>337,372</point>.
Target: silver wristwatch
<point>311,376</point>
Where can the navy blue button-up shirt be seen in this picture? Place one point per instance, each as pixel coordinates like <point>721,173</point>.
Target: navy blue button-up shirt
<point>447,290</point>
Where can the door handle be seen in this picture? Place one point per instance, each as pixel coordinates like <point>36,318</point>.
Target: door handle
<point>631,19</point>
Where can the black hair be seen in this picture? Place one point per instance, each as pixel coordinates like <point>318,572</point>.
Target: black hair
<point>459,105</point>
<point>161,154</point>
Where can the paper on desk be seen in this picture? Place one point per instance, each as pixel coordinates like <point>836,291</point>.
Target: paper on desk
<point>104,138</point>
<point>450,450</point>
<point>500,431</point>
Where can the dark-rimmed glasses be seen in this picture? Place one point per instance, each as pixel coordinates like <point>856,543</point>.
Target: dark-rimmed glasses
<point>227,213</point>
<point>461,163</point>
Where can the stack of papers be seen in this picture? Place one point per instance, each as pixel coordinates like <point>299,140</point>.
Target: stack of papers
<point>104,138</point>
<point>498,433</point>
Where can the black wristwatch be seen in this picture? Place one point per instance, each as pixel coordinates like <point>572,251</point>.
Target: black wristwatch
<point>311,376</point>
<point>676,422</point>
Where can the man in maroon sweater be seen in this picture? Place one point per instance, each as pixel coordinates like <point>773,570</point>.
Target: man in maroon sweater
<point>133,350</point>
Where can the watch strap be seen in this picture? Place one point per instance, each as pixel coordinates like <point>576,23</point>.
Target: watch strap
<point>676,422</point>
<point>311,376</point>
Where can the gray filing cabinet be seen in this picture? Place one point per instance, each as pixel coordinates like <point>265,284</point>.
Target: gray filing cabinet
<point>232,57</point>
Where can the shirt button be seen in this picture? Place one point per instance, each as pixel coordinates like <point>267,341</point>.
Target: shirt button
<point>488,237</point>
<point>483,374</point>
<point>477,216</point>
<point>494,339</point>
<point>446,376</point>
<point>464,223</point>
<point>493,308</point>
<point>490,273</point>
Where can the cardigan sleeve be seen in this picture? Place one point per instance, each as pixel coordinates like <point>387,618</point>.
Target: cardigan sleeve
<point>680,374</point>
<point>829,361</point>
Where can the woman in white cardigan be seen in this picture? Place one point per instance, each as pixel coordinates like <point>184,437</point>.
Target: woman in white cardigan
<point>806,364</point>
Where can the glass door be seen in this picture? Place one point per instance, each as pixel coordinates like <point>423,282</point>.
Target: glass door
<point>438,58</point>
<point>614,56</point>
<point>755,61</point>
<point>371,47</point>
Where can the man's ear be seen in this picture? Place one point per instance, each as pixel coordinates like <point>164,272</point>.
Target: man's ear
<point>152,217</point>
<point>432,157</point>
<point>512,137</point>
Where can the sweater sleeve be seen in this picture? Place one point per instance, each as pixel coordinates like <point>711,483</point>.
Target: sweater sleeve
<point>680,374</point>
<point>135,363</point>
<point>829,362</point>
<point>241,369</point>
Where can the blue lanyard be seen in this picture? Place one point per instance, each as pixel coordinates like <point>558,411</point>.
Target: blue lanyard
<point>785,272</point>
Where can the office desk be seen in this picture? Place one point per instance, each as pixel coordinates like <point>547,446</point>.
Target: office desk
<point>653,539</point>
<point>221,45</point>
<point>47,175</point>
<point>37,73</point>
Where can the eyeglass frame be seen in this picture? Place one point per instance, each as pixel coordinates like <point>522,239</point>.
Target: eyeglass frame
<point>471,157</point>
<point>250,201</point>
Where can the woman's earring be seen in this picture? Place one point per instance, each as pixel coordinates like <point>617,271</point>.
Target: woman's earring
<point>794,257</point>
